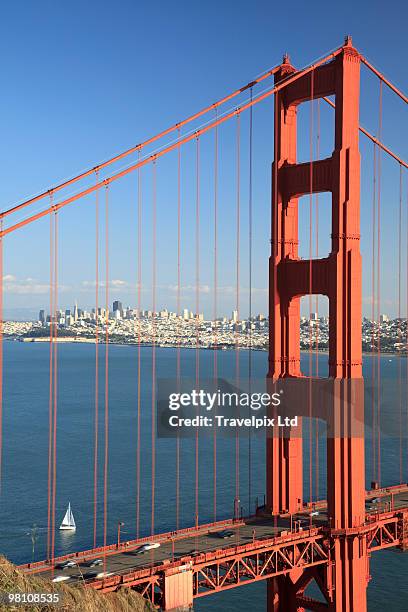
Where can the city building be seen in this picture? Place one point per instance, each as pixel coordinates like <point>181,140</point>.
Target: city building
<point>117,306</point>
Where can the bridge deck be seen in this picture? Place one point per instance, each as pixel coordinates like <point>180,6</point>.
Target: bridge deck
<point>193,543</point>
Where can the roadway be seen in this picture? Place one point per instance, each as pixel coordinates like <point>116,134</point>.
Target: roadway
<point>126,559</point>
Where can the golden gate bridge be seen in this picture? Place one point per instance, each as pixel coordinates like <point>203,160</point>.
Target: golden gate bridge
<point>343,530</point>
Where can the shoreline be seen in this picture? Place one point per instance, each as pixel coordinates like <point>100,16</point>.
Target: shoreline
<point>73,340</point>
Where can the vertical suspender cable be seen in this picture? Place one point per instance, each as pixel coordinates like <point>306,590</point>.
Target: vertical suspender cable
<point>379,290</point>
<point>106,424</point>
<point>406,290</point>
<point>250,296</point>
<point>310,288</point>
<point>55,389</point>
<point>317,308</point>
<point>237,305</point>
<point>197,377</point>
<point>178,365</point>
<point>96,431</point>
<point>215,308</point>
<point>375,327</point>
<point>1,355</point>
<point>50,400</point>
<point>399,319</point>
<point>274,249</point>
<point>139,323</point>
<point>153,483</point>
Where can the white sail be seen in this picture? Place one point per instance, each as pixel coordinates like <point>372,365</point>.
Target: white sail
<point>68,522</point>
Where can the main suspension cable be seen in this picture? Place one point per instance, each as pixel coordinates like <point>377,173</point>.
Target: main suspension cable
<point>383,79</point>
<point>373,139</point>
<point>160,153</point>
<point>138,148</point>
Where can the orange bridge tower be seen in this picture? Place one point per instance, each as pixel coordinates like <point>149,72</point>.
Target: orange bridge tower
<point>338,276</point>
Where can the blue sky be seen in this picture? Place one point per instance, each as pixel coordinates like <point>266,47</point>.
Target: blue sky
<point>83,81</point>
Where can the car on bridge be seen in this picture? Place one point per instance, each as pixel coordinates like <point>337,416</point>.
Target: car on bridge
<point>60,578</point>
<point>145,547</point>
<point>90,575</point>
<point>95,563</point>
<point>374,501</point>
<point>226,533</point>
<point>67,564</point>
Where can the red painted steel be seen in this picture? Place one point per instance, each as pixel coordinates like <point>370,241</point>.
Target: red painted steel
<point>86,555</point>
<point>178,589</point>
<point>339,278</point>
<point>375,140</point>
<point>169,536</point>
<point>299,557</point>
<point>399,93</point>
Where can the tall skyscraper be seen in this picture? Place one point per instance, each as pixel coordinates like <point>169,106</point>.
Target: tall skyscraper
<point>117,306</point>
<point>41,316</point>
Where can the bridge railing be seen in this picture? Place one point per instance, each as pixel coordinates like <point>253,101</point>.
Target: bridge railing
<point>167,536</point>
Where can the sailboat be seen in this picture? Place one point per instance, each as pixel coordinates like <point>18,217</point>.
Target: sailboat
<point>68,522</point>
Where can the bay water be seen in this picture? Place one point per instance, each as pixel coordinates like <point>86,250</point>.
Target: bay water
<point>24,486</point>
